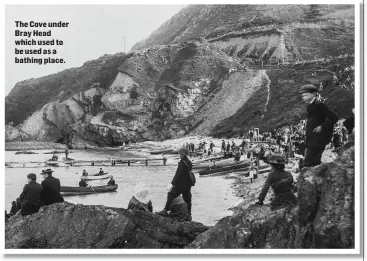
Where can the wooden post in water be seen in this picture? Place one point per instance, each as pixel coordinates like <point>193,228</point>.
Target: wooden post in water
<point>146,163</point>
<point>128,162</point>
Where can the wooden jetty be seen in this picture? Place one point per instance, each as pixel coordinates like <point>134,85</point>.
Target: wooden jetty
<point>78,163</point>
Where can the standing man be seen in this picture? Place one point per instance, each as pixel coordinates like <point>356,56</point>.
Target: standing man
<point>51,188</point>
<point>30,199</point>
<point>211,146</point>
<point>319,126</point>
<point>223,146</point>
<point>181,183</point>
<point>66,153</point>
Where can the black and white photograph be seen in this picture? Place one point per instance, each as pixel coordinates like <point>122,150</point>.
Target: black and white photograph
<point>183,128</point>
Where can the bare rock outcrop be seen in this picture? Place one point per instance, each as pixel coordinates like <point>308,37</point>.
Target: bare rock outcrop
<point>324,217</point>
<point>65,225</point>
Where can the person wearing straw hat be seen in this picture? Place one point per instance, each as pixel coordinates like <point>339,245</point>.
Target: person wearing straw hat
<point>280,181</point>
<point>181,183</point>
<point>51,188</point>
<point>30,198</point>
<point>319,125</point>
<point>141,199</point>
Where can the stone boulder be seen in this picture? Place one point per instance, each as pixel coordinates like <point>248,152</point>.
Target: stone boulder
<point>65,225</point>
<point>324,217</point>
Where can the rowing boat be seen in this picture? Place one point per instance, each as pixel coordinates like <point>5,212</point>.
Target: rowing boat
<point>70,191</point>
<point>234,166</point>
<point>89,177</point>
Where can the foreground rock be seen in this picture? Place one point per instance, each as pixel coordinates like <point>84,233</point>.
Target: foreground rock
<point>65,225</point>
<point>323,219</point>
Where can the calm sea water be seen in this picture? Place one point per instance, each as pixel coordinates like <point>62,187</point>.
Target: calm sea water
<point>211,196</point>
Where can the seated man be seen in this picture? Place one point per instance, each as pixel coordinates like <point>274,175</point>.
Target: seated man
<point>85,173</point>
<point>178,209</point>
<point>54,158</point>
<point>30,199</point>
<point>100,171</point>
<point>141,199</point>
<point>111,182</point>
<point>82,183</point>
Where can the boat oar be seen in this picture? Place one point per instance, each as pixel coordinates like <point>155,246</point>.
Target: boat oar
<point>92,189</point>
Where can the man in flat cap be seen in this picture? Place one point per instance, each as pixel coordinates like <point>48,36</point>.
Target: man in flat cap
<point>319,126</point>
<point>51,188</point>
<point>181,183</point>
<point>30,198</point>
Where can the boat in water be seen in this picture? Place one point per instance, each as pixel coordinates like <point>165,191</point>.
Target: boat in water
<point>71,191</point>
<point>163,151</point>
<point>90,177</point>
<point>229,167</point>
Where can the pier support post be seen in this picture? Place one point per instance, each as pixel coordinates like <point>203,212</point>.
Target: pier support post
<point>128,162</point>
<point>146,163</point>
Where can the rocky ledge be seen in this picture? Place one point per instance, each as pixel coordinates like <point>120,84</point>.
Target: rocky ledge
<point>65,225</point>
<point>324,218</point>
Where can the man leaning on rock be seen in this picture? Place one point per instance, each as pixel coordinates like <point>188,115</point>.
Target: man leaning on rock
<point>181,183</point>
<point>319,126</point>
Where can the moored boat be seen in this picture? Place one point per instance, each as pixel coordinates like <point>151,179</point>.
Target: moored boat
<point>161,151</point>
<point>70,191</point>
<point>234,166</point>
<point>90,177</point>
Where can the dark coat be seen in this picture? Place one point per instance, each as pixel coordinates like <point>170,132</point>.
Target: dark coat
<point>82,184</point>
<point>281,182</point>
<point>181,180</point>
<point>318,114</point>
<point>111,182</point>
<point>31,194</point>
<point>51,191</point>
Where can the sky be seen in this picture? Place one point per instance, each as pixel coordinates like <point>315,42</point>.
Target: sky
<point>93,30</point>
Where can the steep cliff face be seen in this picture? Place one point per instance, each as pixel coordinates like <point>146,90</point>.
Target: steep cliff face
<point>245,73</point>
<point>153,96</point>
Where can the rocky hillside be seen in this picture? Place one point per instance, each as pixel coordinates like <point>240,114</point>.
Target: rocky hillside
<point>202,72</point>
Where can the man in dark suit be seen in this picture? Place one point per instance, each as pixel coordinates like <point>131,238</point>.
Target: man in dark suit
<point>181,183</point>
<point>51,188</point>
<point>30,199</point>
<point>319,126</point>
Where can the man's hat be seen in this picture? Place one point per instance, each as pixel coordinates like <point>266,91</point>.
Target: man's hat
<point>276,159</point>
<point>308,88</point>
<point>32,176</point>
<point>183,151</point>
<point>47,171</point>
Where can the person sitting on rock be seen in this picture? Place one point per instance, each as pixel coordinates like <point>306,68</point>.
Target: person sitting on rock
<point>141,199</point>
<point>30,198</point>
<point>178,209</point>
<point>280,181</point>
<point>51,188</point>
<point>111,182</point>
<point>85,173</point>
<point>82,183</point>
